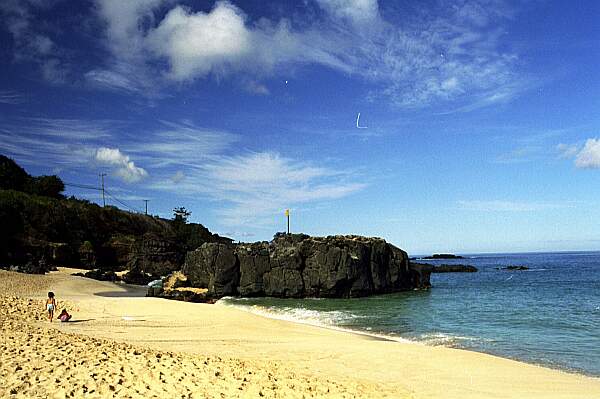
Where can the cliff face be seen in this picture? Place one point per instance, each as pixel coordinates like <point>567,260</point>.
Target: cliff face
<point>301,266</point>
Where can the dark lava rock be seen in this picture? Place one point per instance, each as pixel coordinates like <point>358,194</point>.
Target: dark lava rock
<point>443,256</point>
<point>298,266</point>
<point>213,266</point>
<point>154,255</point>
<point>513,268</point>
<point>31,267</point>
<point>454,269</point>
<point>102,275</point>
<point>137,277</point>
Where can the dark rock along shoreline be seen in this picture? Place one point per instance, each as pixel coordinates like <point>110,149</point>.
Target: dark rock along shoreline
<point>298,265</point>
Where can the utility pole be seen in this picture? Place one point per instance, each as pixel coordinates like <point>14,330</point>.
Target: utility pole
<point>103,199</point>
<point>146,201</point>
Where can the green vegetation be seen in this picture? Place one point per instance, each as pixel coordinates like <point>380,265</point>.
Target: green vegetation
<point>14,177</point>
<point>39,223</point>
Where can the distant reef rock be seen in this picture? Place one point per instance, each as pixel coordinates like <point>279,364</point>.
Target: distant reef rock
<point>443,256</point>
<point>454,269</point>
<point>298,266</point>
<point>513,268</point>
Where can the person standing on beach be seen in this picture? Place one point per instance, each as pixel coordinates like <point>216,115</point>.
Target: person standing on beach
<point>50,305</point>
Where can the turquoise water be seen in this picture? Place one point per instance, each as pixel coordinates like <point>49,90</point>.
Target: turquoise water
<point>548,315</point>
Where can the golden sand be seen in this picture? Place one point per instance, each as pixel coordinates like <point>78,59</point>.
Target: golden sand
<point>120,344</point>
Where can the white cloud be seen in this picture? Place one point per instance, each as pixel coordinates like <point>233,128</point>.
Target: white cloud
<point>451,54</point>
<point>125,169</point>
<point>256,88</point>
<point>586,157</point>
<point>125,20</point>
<point>359,12</point>
<point>178,177</point>
<point>197,43</point>
<point>567,150</point>
<point>509,206</point>
<point>589,156</point>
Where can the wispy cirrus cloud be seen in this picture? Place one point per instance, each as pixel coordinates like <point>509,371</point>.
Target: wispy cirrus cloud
<point>31,42</point>
<point>252,188</point>
<point>567,150</point>
<point>181,144</point>
<point>11,97</point>
<point>184,160</point>
<point>63,142</point>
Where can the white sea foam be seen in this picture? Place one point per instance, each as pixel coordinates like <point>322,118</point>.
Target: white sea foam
<point>323,319</point>
<point>444,339</point>
<point>332,320</point>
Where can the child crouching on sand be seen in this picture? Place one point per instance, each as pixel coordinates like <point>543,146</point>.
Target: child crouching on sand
<point>64,316</point>
<point>50,305</point>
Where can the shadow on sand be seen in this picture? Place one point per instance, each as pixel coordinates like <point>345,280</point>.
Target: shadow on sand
<point>129,291</point>
<point>78,321</point>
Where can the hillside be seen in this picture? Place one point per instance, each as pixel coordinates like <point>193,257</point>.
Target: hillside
<point>41,231</point>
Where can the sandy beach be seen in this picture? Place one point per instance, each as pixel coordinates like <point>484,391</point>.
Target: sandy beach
<point>122,344</point>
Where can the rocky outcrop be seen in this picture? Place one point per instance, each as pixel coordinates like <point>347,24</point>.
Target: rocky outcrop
<point>213,266</point>
<point>175,286</point>
<point>301,266</point>
<point>154,255</point>
<point>138,277</point>
<point>454,269</point>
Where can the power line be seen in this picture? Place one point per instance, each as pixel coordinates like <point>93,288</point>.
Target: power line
<point>115,198</point>
<point>82,186</point>
<point>131,208</point>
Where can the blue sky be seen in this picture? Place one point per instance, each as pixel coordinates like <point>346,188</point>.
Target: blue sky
<point>479,119</point>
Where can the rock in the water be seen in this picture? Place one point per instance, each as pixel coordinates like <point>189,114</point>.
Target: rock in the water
<point>301,266</point>
<point>443,256</point>
<point>513,268</point>
<point>454,269</point>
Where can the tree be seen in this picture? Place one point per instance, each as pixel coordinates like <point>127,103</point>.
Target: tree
<point>181,215</point>
<point>47,186</point>
<point>12,176</point>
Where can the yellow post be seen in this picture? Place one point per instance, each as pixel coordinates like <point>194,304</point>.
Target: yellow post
<point>287,214</point>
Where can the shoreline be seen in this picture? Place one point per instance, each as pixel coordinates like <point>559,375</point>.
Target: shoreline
<point>390,338</point>
<point>312,360</point>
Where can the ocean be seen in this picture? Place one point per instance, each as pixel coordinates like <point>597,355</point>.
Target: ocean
<point>548,315</point>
